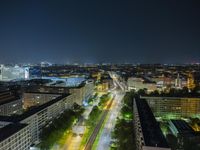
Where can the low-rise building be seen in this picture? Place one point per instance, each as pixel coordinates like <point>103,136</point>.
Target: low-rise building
<point>185,134</point>
<point>139,83</point>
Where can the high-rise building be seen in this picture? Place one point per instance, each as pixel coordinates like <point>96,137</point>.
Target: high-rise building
<point>178,82</point>
<point>148,133</point>
<point>190,81</point>
<point>10,103</point>
<point>173,107</point>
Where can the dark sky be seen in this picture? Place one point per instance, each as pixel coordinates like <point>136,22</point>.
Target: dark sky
<point>146,31</point>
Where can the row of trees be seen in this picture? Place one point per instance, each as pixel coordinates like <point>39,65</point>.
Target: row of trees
<point>185,92</point>
<point>123,134</point>
<point>96,110</point>
<point>92,99</point>
<point>93,117</point>
<point>52,133</point>
<point>103,99</point>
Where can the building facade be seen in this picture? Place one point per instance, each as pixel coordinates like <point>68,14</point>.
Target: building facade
<point>15,137</point>
<point>138,83</point>
<point>38,117</point>
<point>172,107</point>
<point>10,103</point>
<point>37,98</point>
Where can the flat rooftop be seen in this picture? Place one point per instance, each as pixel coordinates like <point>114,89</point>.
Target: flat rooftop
<point>45,93</point>
<point>9,130</point>
<point>168,97</point>
<point>152,133</point>
<point>18,118</point>
<point>182,126</point>
<point>7,97</point>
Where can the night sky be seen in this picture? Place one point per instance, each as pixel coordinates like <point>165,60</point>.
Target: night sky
<point>145,31</point>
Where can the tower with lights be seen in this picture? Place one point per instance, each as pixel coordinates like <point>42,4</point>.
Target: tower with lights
<point>178,82</point>
<point>190,81</point>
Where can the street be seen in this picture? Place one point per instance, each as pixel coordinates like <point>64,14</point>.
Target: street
<point>73,141</point>
<point>109,115</point>
<point>98,126</point>
<point>105,137</point>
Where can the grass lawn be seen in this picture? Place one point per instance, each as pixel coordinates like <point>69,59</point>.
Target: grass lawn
<point>94,147</point>
<point>89,130</point>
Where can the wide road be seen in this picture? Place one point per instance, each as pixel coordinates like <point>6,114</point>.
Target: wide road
<point>105,137</point>
<point>92,138</point>
<point>73,142</point>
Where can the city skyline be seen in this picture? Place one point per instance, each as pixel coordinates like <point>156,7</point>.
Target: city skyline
<point>100,31</point>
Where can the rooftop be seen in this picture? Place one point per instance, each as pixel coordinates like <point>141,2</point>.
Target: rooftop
<point>168,97</point>
<point>10,129</point>
<point>7,97</point>
<point>18,118</point>
<point>45,93</point>
<point>182,126</point>
<point>150,127</point>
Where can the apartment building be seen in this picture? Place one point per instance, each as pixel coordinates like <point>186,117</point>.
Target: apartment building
<point>39,117</point>
<point>147,131</point>
<point>172,107</point>
<point>10,103</point>
<point>15,137</point>
<point>79,93</point>
<point>37,98</point>
<point>82,92</point>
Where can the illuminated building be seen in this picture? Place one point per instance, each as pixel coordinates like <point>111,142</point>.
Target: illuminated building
<point>37,99</point>
<point>190,82</point>
<point>178,82</point>
<point>38,117</point>
<point>101,87</point>
<point>65,82</point>
<point>35,72</point>
<point>82,92</point>
<point>10,103</point>
<point>97,76</point>
<point>139,83</point>
<point>8,73</point>
<point>173,107</point>
<point>79,92</point>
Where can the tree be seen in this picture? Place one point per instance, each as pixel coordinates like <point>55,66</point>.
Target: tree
<point>141,92</point>
<point>172,140</point>
<point>123,133</point>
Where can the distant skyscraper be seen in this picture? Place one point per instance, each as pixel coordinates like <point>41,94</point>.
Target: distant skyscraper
<point>190,81</point>
<point>178,82</point>
<point>1,68</point>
